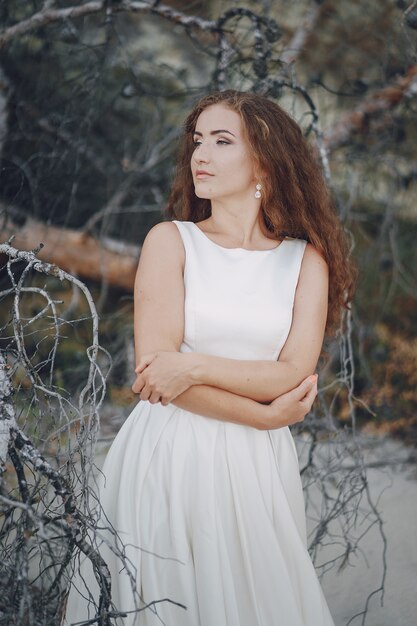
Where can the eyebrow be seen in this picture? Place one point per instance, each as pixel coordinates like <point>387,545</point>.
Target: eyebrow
<point>214,132</point>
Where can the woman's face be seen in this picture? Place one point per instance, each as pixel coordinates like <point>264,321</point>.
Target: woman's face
<point>221,164</point>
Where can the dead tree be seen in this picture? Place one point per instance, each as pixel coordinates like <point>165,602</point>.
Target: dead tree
<point>44,519</point>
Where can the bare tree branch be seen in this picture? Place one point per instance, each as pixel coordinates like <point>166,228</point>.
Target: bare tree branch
<point>300,38</point>
<point>382,101</point>
<point>41,530</point>
<point>48,16</point>
<point>138,167</point>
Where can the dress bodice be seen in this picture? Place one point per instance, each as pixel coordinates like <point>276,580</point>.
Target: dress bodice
<point>238,302</point>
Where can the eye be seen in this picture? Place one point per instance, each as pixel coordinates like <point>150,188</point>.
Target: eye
<point>223,142</point>
<point>197,142</point>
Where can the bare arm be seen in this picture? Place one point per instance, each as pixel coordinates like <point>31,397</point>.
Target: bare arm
<point>159,292</point>
<point>159,296</point>
<point>167,375</point>
<point>159,324</point>
<point>287,409</point>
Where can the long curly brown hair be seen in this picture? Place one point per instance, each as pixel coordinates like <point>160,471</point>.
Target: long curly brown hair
<point>295,199</point>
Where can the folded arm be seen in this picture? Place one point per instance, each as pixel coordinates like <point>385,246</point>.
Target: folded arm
<point>167,374</point>
<point>159,327</point>
<point>159,324</point>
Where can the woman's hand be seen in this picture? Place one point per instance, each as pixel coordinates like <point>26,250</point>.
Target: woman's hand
<point>292,406</point>
<point>162,376</point>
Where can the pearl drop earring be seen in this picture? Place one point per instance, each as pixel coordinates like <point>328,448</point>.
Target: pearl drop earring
<point>258,190</point>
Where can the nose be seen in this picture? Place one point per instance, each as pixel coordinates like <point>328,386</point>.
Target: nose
<point>201,154</point>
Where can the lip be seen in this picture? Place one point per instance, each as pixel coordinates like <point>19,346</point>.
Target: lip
<point>203,174</point>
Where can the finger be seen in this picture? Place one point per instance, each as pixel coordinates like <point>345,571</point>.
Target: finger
<point>154,398</point>
<point>136,387</point>
<point>145,393</point>
<point>144,362</point>
<point>310,389</point>
<point>138,384</point>
<point>304,387</point>
<point>310,397</point>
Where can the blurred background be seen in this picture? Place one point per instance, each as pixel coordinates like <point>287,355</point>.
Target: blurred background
<point>92,98</point>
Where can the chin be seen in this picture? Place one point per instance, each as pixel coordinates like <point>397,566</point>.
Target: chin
<point>203,195</point>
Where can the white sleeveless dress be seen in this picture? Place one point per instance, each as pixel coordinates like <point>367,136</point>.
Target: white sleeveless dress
<point>213,512</point>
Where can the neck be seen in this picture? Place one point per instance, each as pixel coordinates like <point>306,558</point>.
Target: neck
<point>241,220</point>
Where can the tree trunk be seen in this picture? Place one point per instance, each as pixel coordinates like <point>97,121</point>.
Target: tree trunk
<point>77,253</point>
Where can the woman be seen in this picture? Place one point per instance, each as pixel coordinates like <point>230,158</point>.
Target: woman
<point>232,300</point>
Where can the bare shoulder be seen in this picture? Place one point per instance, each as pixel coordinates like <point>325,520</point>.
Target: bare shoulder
<point>164,238</point>
<point>313,262</point>
<point>164,233</point>
<point>313,280</point>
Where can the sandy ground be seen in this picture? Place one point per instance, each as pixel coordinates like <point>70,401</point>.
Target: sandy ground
<point>395,488</point>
